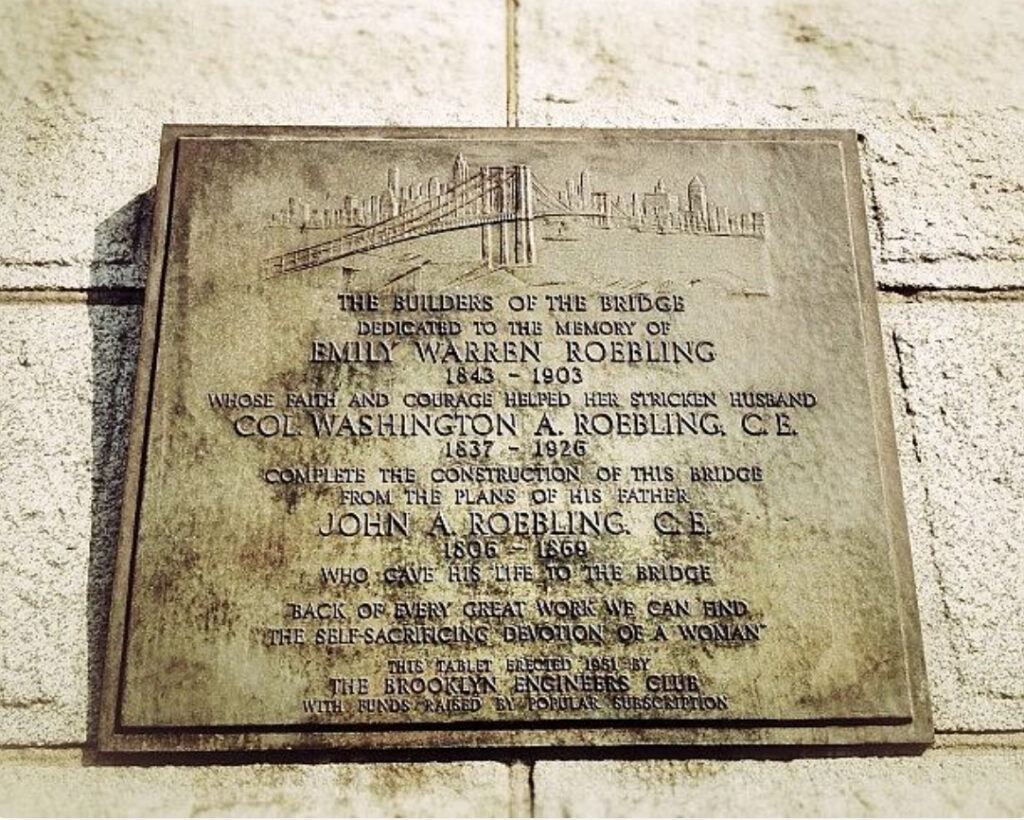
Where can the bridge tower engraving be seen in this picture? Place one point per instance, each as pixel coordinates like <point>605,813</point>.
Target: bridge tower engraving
<point>508,192</point>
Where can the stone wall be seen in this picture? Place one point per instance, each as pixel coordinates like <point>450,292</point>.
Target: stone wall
<point>935,88</point>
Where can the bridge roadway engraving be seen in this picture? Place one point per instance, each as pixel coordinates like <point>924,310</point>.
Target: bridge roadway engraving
<point>499,199</point>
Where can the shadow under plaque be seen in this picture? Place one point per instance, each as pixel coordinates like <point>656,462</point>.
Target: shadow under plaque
<point>511,438</point>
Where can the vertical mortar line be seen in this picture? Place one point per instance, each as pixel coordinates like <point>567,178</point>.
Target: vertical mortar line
<point>875,207</point>
<point>511,65</point>
<point>533,789</point>
<point>520,782</point>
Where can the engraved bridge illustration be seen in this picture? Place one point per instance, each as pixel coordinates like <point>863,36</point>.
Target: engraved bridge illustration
<point>505,202</point>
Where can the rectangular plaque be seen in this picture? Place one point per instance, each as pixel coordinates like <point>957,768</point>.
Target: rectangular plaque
<point>470,438</point>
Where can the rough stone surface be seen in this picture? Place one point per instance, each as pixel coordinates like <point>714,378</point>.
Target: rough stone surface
<point>958,395</point>
<point>67,372</point>
<point>85,87</point>
<point>942,782</point>
<point>941,123</point>
<point>55,783</point>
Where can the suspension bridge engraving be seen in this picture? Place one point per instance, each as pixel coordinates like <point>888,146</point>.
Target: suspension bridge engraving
<point>505,202</point>
<point>450,439</point>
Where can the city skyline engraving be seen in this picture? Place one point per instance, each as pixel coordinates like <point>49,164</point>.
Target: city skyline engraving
<point>520,220</point>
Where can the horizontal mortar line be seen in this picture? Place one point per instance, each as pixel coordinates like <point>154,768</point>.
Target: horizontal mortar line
<point>67,746</point>
<point>945,742</point>
<point>988,256</point>
<point>965,292</point>
<point>18,262</point>
<point>93,295</point>
<point>979,732</point>
<point>983,741</point>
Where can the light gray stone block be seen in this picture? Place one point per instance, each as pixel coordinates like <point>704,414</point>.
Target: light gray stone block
<point>55,783</point>
<point>942,782</point>
<point>949,188</point>
<point>67,371</point>
<point>731,53</point>
<point>933,87</point>
<point>85,87</point>
<point>958,395</point>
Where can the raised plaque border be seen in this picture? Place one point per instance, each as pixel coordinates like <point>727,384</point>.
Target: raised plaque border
<point>647,736</point>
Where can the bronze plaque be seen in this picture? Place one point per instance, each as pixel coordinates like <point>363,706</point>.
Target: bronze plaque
<point>498,438</point>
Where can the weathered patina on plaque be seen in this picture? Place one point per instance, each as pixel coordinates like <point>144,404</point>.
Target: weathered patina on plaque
<point>505,438</point>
